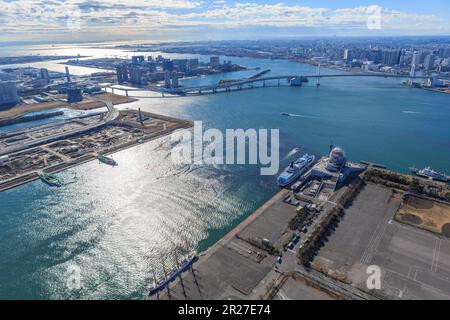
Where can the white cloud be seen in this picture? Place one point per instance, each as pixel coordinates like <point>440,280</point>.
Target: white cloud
<point>111,16</point>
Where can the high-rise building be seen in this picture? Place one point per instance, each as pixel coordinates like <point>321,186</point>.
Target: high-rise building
<point>167,83</point>
<point>167,65</point>
<point>67,74</point>
<point>152,66</point>
<point>119,74</point>
<point>122,74</point>
<point>429,62</point>
<point>347,55</point>
<point>181,64</point>
<point>193,64</point>
<point>174,79</point>
<point>375,56</point>
<point>8,95</point>
<point>137,59</point>
<point>390,57</point>
<point>74,95</point>
<point>45,75</point>
<point>214,61</point>
<point>416,59</point>
<point>135,75</point>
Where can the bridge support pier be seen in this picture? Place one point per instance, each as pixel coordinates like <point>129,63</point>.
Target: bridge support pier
<point>126,93</point>
<point>112,90</point>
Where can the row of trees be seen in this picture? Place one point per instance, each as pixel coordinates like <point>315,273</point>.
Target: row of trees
<point>329,223</point>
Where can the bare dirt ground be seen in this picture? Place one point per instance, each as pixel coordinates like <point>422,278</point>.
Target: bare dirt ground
<point>86,104</point>
<point>426,214</point>
<point>25,108</point>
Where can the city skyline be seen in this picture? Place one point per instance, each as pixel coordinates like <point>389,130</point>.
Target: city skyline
<point>105,20</point>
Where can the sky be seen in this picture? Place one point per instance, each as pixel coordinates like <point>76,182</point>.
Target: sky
<point>167,20</point>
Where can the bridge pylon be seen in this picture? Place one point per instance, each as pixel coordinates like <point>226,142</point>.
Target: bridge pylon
<point>318,75</point>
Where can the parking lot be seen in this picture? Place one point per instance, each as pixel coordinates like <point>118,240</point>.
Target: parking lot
<point>415,264</point>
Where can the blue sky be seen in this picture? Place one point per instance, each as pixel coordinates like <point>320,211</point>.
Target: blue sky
<point>99,20</point>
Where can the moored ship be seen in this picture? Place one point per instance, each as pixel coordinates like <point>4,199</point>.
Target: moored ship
<point>429,173</point>
<point>107,160</point>
<point>50,179</point>
<point>295,170</point>
<point>185,264</point>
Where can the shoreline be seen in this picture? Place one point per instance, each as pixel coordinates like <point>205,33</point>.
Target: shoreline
<point>34,175</point>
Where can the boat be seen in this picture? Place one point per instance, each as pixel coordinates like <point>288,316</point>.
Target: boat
<point>107,160</point>
<point>51,179</point>
<point>295,170</point>
<point>285,114</point>
<point>429,173</point>
<point>185,264</point>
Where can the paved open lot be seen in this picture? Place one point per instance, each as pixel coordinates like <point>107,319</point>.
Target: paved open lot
<point>298,289</point>
<point>229,273</point>
<point>272,224</point>
<point>415,264</point>
<point>233,268</point>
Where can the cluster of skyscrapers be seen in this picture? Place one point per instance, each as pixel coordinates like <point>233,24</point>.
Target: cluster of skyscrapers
<point>141,70</point>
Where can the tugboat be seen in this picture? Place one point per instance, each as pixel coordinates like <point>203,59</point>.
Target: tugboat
<point>295,170</point>
<point>51,179</point>
<point>107,160</point>
<point>429,173</point>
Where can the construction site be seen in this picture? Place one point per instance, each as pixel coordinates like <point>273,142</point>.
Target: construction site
<point>51,147</point>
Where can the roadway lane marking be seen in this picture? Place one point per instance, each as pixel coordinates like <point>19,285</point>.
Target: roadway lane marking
<point>434,254</point>
<point>437,256</point>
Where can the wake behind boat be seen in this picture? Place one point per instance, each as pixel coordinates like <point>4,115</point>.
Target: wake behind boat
<point>295,170</point>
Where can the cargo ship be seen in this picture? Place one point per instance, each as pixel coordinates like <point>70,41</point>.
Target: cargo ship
<point>430,174</point>
<point>51,179</point>
<point>107,160</point>
<point>295,170</point>
<point>185,264</point>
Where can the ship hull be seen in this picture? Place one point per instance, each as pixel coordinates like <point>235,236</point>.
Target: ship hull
<point>286,179</point>
<point>432,178</point>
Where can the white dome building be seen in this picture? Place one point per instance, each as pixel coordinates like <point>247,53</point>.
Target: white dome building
<point>336,159</point>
